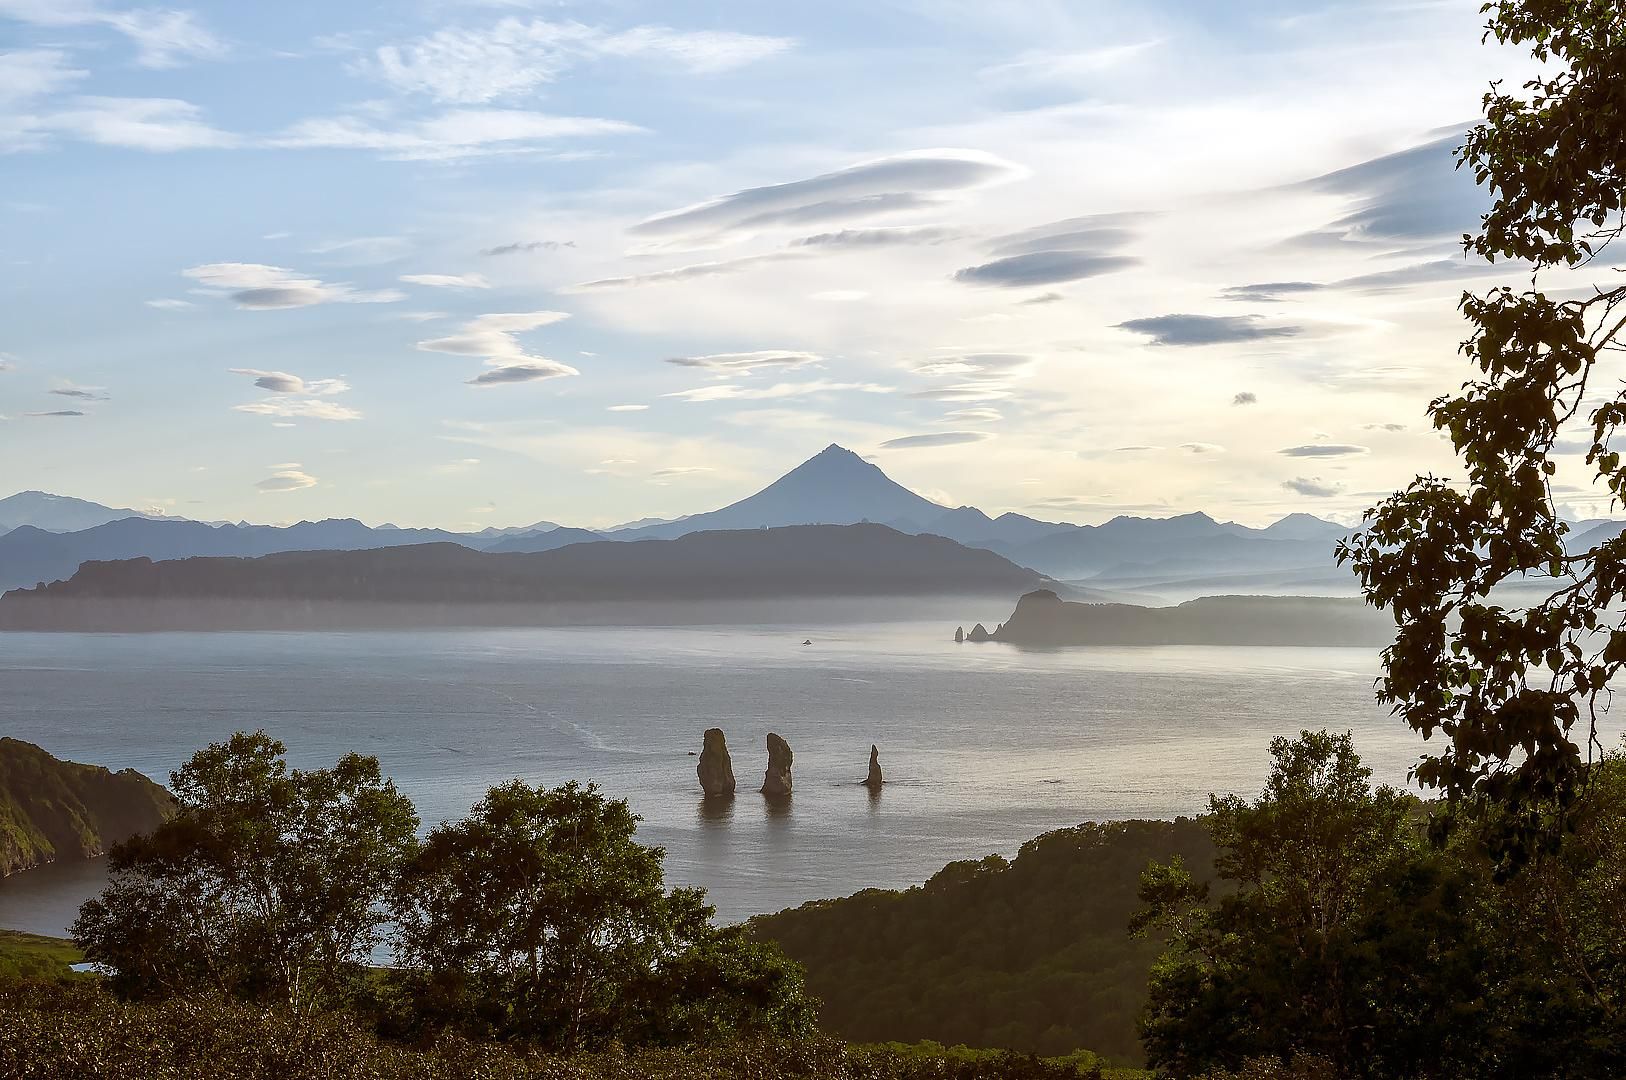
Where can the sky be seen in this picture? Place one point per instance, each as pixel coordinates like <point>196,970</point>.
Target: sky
<point>469,264</point>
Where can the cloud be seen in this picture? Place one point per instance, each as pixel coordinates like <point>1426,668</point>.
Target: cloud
<point>456,133</point>
<point>1270,292</point>
<point>492,337</point>
<point>1205,329</point>
<point>681,273</point>
<point>1060,251</point>
<point>80,393</point>
<point>1423,273</point>
<point>941,438</point>
<point>525,247</point>
<point>1412,196</point>
<point>972,416</point>
<point>1312,486</point>
<point>257,287</point>
<point>280,382</point>
<point>737,392</point>
<point>886,236</point>
<point>292,408</point>
<point>56,412</point>
<point>902,182</point>
<point>1322,450</point>
<point>516,56</point>
<point>163,38</point>
<point>966,392</point>
<point>158,125</point>
<point>286,478</point>
<point>1246,397</point>
<point>168,304</point>
<point>1383,427</point>
<point>627,408</point>
<point>731,364</point>
<point>447,281</point>
<point>1196,448</point>
<point>33,73</point>
<point>681,470</point>
<point>1043,268</point>
<point>989,365</point>
<point>527,371</point>
<point>1044,298</point>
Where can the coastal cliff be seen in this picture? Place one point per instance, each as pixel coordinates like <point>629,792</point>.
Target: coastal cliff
<point>52,809</point>
<point>1042,619</point>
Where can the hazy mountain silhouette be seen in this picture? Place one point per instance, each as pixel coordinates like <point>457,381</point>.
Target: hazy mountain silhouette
<point>30,555</point>
<point>56,513</point>
<point>545,541</point>
<point>834,487</point>
<point>449,584</point>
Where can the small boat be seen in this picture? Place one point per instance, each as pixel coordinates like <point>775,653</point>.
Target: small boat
<point>809,641</point>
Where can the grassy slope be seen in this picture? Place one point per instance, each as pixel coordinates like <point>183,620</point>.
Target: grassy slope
<point>31,956</point>
<point>1031,954</point>
<point>52,809</point>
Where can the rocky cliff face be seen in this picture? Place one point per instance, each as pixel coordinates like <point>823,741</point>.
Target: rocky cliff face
<point>776,782</point>
<point>52,809</point>
<point>716,768</point>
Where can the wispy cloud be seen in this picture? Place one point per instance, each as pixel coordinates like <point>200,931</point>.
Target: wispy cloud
<point>940,438</point>
<point>1180,330</point>
<point>493,337</point>
<point>286,477</point>
<point>447,281</point>
<point>1322,450</point>
<point>911,181</point>
<point>515,56</point>
<point>163,38</point>
<point>257,287</point>
<point>732,364</point>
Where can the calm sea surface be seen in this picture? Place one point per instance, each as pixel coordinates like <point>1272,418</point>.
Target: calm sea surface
<point>983,746</point>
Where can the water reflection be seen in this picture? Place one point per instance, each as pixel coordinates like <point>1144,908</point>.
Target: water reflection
<point>716,812</point>
<point>778,806</point>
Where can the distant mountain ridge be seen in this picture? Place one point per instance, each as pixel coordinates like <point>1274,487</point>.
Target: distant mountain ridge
<point>447,584</point>
<point>57,513</point>
<point>835,487</point>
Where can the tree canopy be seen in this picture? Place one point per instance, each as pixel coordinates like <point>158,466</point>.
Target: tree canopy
<point>1514,690</point>
<point>268,883</point>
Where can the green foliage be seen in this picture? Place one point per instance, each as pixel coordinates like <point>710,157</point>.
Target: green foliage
<point>1344,944</point>
<point>266,885</point>
<point>52,809</point>
<point>79,1030</point>
<point>1029,954</point>
<point>1332,888</point>
<point>1508,687</point>
<point>32,957</point>
<point>540,917</point>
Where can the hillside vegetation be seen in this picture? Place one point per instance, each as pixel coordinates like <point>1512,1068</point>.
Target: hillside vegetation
<point>52,809</point>
<point>1032,953</point>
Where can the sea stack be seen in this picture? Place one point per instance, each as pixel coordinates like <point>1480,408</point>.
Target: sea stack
<point>959,635</point>
<point>776,782</point>
<point>978,633</point>
<point>716,769</point>
<point>874,781</point>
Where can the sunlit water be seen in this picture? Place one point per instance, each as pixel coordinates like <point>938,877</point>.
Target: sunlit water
<point>983,746</point>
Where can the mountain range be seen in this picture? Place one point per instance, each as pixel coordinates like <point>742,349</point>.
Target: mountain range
<point>45,538</point>
<point>445,584</point>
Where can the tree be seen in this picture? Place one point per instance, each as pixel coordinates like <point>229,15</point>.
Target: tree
<point>268,884</point>
<point>539,917</point>
<point>1513,689</point>
<point>1339,936</point>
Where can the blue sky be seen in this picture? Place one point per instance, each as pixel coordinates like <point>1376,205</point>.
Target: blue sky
<point>466,264</point>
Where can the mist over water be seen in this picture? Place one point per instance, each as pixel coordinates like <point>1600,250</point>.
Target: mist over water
<point>983,747</point>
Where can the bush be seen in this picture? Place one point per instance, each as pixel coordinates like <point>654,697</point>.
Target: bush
<point>80,1030</point>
